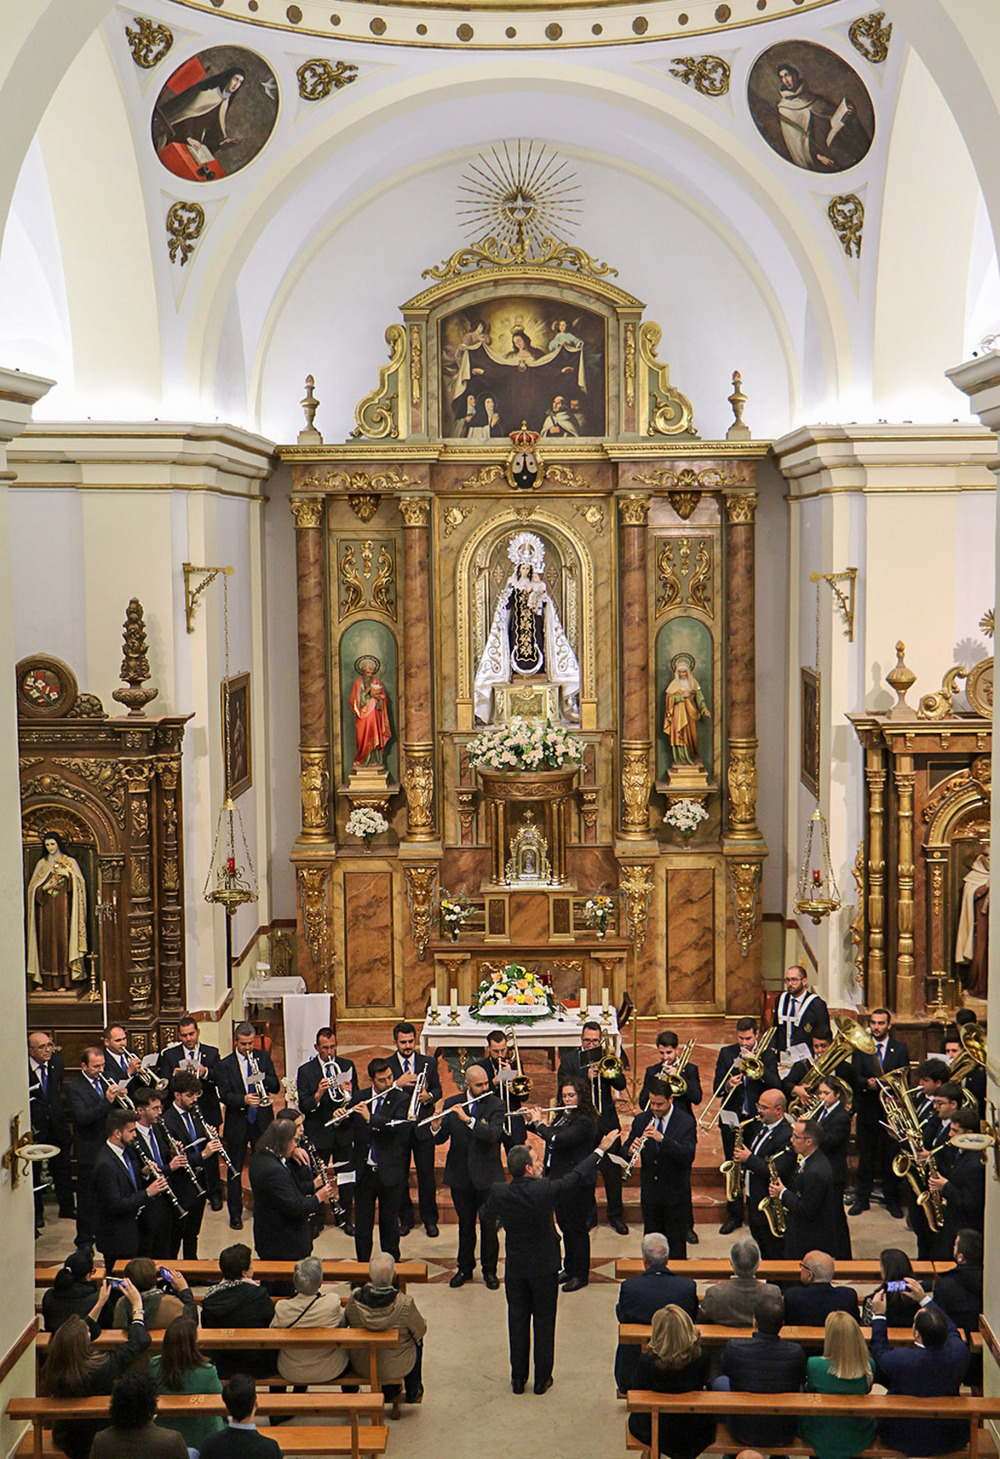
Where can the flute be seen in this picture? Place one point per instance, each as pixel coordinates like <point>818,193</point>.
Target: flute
<point>451,1108</point>
<point>341,1114</point>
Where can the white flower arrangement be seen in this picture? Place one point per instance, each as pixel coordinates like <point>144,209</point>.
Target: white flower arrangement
<point>363,821</point>
<point>454,911</point>
<point>515,992</point>
<point>599,911</point>
<point>521,745</point>
<point>686,816</point>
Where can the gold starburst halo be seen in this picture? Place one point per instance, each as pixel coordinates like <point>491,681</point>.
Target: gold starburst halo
<point>519,193</point>
<point>987,623</point>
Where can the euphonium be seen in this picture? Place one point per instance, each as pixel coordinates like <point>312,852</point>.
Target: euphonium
<point>771,1208</point>
<point>850,1035</point>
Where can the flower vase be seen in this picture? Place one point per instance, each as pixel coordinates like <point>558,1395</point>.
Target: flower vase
<point>454,934</point>
<point>687,839</point>
<point>368,844</point>
<point>602,931</point>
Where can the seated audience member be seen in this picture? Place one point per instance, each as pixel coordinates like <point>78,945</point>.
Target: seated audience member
<point>310,1307</point>
<point>238,1301</point>
<point>639,1297</point>
<point>162,1300</point>
<point>73,1369</point>
<point>380,1305</point>
<point>673,1361</point>
<point>900,1307</point>
<point>733,1303</point>
<point>959,1292</point>
<point>845,1367</point>
<point>76,1289</point>
<point>240,1439</point>
<point>182,1368</point>
<point>934,1367</point>
<point>810,1300</point>
<point>763,1363</point>
<point>134,1432</point>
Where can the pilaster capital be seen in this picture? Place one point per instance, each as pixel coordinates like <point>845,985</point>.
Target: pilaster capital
<point>307,511</point>
<point>415,510</point>
<point>741,507</point>
<point>633,509</point>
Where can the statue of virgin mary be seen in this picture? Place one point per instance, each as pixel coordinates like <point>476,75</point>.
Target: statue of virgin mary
<point>526,638</point>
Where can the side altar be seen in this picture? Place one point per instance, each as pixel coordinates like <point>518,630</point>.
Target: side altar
<point>526,530</point>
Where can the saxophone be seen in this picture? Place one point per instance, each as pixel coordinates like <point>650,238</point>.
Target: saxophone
<point>772,1208</point>
<point>931,1201</point>
<point>732,1170</point>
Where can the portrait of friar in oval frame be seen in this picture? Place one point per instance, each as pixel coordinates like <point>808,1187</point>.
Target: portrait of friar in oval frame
<point>811,107</point>
<point>214,113</point>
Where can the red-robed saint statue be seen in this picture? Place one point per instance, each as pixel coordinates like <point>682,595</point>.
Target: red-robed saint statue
<point>371,718</point>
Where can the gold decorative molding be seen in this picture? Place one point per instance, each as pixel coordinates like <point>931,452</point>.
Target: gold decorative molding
<point>699,588</point>
<point>185,222</point>
<point>672,413</point>
<point>744,886</point>
<point>456,515</point>
<point>669,583</point>
<point>312,900</point>
<point>564,476</point>
<point>496,253</point>
<point>369,585</point>
<point>633,509</point>
<point>709,75</point>
<point>104,775</point>
<point>673,567</point>
<point>637,782</point>
<point>418,784</point>
<point>318,77</point>
<point>415,510</point>
<point>485,476</point>
<point>593,514</point>
<point>847,217</point>
<point>939,704</point>
<point>359,483</point>
<point>685,488</point>
<point>314,789</point>
<point>375,415</point>
<point>636,882</point>
<point>149,42</point>
<point>630,363</point>
<point>741,507</point>
<point>307,510</point>
<point>858,920</point>
<point>421,885</point>
<point>741,775</point>
<point>869,35</point>
<point>364,504</point>
<point>416,364</point>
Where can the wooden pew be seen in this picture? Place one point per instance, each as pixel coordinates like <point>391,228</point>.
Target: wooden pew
<point>205,1273</point>
<point>354,1438</point>
<point>723,1406</point>
<point>718,1269</point>
<point>633,1333</point>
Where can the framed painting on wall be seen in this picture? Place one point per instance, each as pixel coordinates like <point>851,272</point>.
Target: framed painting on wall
<point>810,730</point>
<point>236,730</point>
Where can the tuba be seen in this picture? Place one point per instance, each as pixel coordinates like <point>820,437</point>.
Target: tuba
<point>849,1036</point>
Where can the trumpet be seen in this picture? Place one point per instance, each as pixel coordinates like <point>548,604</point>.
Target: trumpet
<point>418,1089</point>
<point>749,1065</point>
<point>121,1098</point>
<point>146,1075</point>
<point>258,1078</point>
<point>772,1208</point>
<point>672,1074</point>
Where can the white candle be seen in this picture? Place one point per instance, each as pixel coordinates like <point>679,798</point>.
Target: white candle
<point>454,1000</point>
<point>104,1001</point>
<point>605,999</point>
<point>434,998</point>
<point>584,1000</point>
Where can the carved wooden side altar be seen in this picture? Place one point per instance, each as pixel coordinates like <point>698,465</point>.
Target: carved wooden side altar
<point>404,542</point>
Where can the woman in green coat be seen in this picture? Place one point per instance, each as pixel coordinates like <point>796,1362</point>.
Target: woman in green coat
<point>181,1367</point>
<point>845,1367</point>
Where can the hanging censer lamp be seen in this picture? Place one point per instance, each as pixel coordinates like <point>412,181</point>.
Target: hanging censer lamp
<point>817,893</point>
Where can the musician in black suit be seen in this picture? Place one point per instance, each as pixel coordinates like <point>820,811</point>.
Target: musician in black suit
<point>381,1159</point>
<point>500,1068</point>
<point>975,1081</point>
<point>875,1145</point>
<point>671,1137</point>
<point>120,1065</point>
<point>89,1097</point>
<point>810,1200</point>
<point>585,1061</point>
<point>246,1116</point>
<point>187,1135</point>
<point>473,1126</point>
<point>960,1182</point>
<point>795,1084</point>
<point>159,1219</point>
<point>741,1096</point>
<point>667,1044</point>
<point>281,1210</point>
<point>769,1139</point>
<point>120,1190</point>
<point>407,1066</point>
<point>571,1134</point>
<point>524,1209</point>
<point>798,1012</point>
<point>49,1123</point>
<point>834,1120</point>
<point>202,1060</point>
<point>326,1083</point>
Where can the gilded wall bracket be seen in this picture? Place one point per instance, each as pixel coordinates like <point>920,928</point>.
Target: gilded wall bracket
<point>636,883</point>
<point>744,886</point>
<point>844,598</point>
<point>378,414</point>
<point>313,882</point>
<point>421,897</point>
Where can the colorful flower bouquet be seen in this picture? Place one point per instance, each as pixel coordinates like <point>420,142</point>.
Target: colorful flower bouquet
<point>599,912</point>
<point>454,912</point>
<point>366,823</point>
<point>513,993</point>
<point>521,745</point>
<point>686,816</point>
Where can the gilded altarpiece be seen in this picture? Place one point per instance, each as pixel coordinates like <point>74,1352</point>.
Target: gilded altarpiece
<point>406,536</point>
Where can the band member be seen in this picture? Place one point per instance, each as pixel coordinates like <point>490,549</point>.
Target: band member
<point>742,1094</point>
<point>498,1059</point>
<point>798,1013</point>
<point>585,1062</point>
<point>875,1145</point>
<point>937,1155</point>
<point>407,1066</point>
<point>203,1060</point>
<point>930,1075</point>
<point>472,1123</point>
<point>120,1191</point>
<point>242,1076</point>
<point>810,1201</point>
<point>794,1084</point>
<point>975,1081</point>
<point>304,1170</point>
<point>381,1159</point>
<point>119,1065</point>
<point>961,1181</point>
<point>326,1083</point>
<point>159,1219</point>
<point>570,1136</point>
<point>49,1123</point>
<point>670,1137</point>
<point>281,1211</point>
<point>834,1120</point>
<point>667,1047</point>
<point>188,1137</point>
<point>771,1139</point>
<point>89,1097</point>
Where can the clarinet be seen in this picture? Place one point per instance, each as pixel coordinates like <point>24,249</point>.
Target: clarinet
<point>148,1167</point>
<point>336,1209</point>
<point>178,1149</point>
<point>213,1134</point>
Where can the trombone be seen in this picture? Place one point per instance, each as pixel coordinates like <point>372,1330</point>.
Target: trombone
<point>673,1074</point>
<point>751,1066</point>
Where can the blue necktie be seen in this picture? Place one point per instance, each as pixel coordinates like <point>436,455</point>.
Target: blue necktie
<point>131,1173</point>
<point>472,1109</point>
<point>43,1081</point>
<point>189,1125</point>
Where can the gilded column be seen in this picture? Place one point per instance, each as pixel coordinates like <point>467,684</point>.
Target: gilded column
<point>741,768</point>
<point>875,989</point>
<point>314,734</point>
<point>633,514</point>
<point>904,777</point>
<point>418,746</point>
<point>171,905</point>
<point>139,966</point>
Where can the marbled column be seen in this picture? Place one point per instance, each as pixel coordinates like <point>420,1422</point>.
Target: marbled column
<point>633,514</point>
<point>904,775</point>
<point>875,989</point>
<point>741,767</point>
<point>418,692</point>
<point>314,696</point>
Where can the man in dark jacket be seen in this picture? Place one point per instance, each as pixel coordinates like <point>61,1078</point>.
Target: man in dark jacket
<point>961,1182</point>
<point>639,1297</point>
<point>473,1125</point>
<point>238,1301</point>
<point>670,1140</point>
<point>202,1060</point>
<point>875,1144</point>
<point>811,1200</point>
<point>327,1083</point>
<point>797,1013</point>
<point>769,1138</point>
<point>281,1211</point>
<point>49,1124</point>
<point>381,1160</point>
<point>959,1291</point>
<point>584,1062</point>
<point>810,1300</point>
<point>246,1082</point>
<point>89,1097</point>
<point>407,1066</point>
<point>934,1367</point>
<point>740,1095</point>
<point>120,1192</point>
<point>524,1208</point>
<point>240,1440</point>
<point>763,1363</point>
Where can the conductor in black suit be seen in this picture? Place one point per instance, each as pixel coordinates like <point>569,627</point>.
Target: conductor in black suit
<point>811,1200</point>
<point>246,1117</point>
<point>407,1066</point>
<point>770,1139</point>
<point>671,1138</point>
<point>381,1160</point>
<point>874,1142</point>
<point>89,1097</point>
<point>524,1209</point>
<point>327,1083</point>
<point>202,1060</point>
<point>49,1123</point>
<point>281,1209</point>
<point>741,1095</point>
<point>473,1126</point>
<point>120,1190</point>
<point>585,1062</point>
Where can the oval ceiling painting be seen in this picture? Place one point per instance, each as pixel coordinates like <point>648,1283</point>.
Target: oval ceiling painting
<point>215,113</point>
<point>811,106</point>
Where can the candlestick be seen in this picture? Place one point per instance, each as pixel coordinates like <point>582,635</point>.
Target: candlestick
<point>434,998</point>
<point>453,1015</point>
<point>104,1002</point>
<point>584,1005</point>
<point>605,999</point>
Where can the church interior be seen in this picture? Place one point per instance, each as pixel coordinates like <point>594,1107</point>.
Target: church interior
<point>513,488</point>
